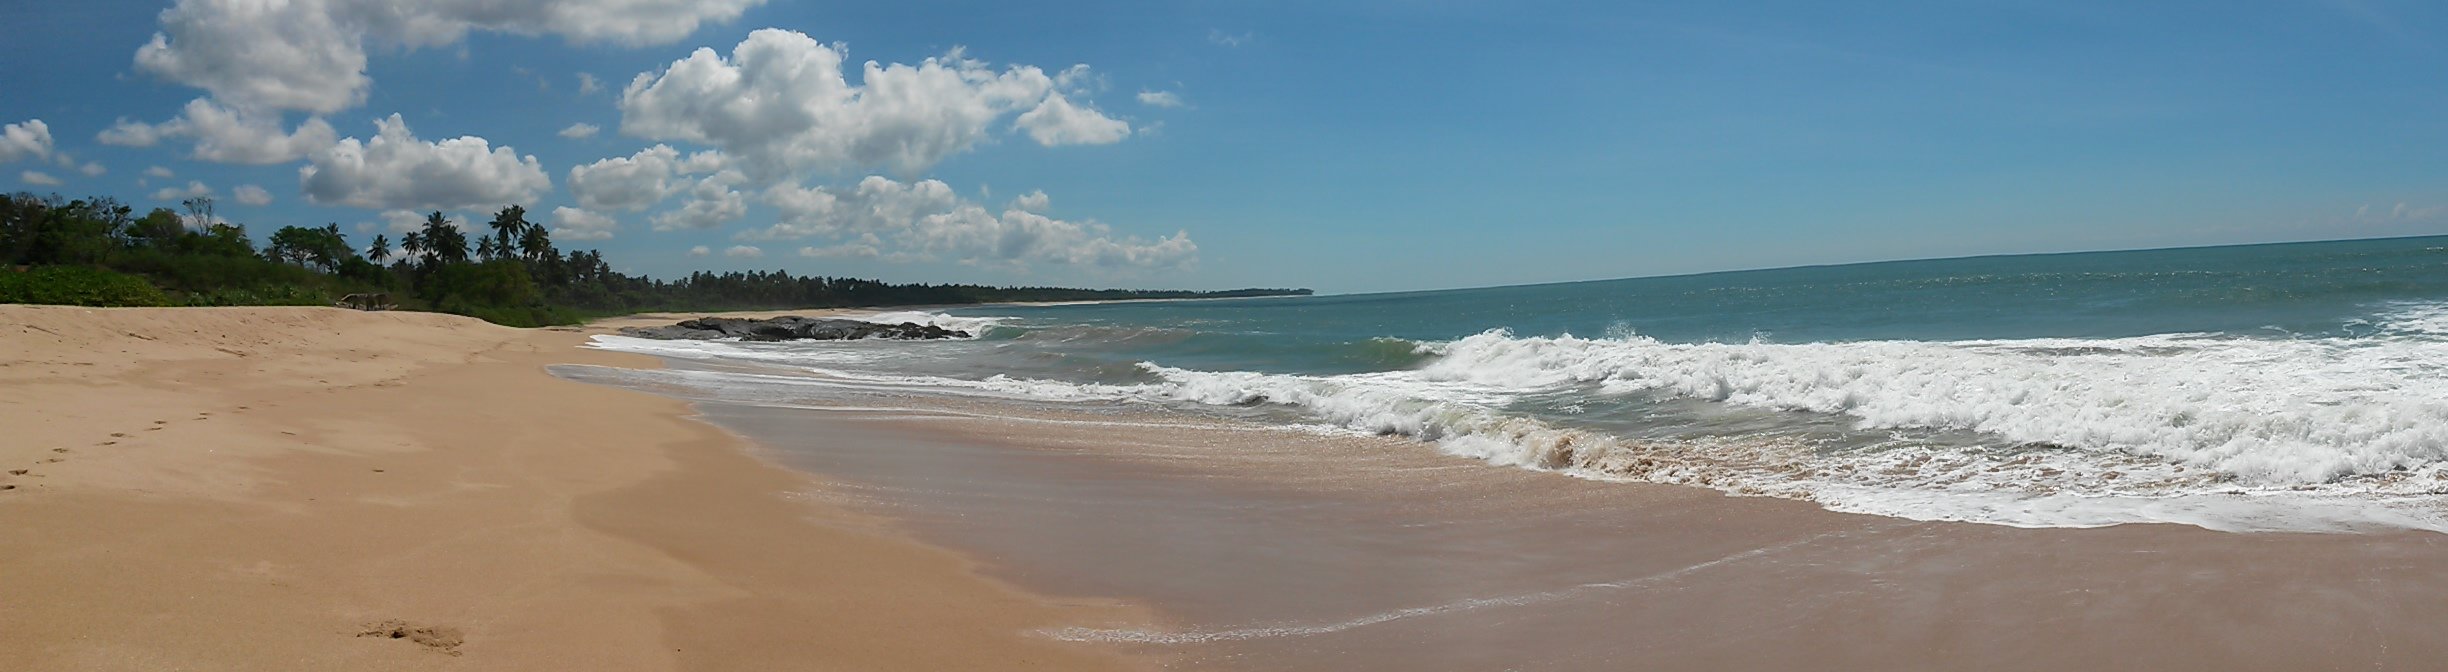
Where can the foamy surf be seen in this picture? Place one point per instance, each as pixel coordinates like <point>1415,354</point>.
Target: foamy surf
<point>2266,432</point>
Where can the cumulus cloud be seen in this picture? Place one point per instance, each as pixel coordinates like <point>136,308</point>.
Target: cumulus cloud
<point>851,250</point>
<point>39,178</point>
<point>700,251</point>
<point>634,182</point>
<point>570,223</point>
<point>580,131</point>
<point>251,195</point>
<point>711,202</point>
<point>193,189</point>
<point>403,221</point>
<point>158,171</point>
<point>1034,201</point>
<point>227,135</point>
<point>1160,99</point>
<point>310,55</point>
<point>30,139</point>
<point>1057,122</point>
<point>781,103</point>
<point>886,218</point>
<point>588,84</point>
<point>395,170</point>
<point>744,252</point>
<point>92,169</point>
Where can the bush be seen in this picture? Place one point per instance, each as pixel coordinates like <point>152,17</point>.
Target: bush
<point>78,286</point>
<point>263,295</point>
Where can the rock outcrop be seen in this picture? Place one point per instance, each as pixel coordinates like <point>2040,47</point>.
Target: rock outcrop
<point>788,328</point>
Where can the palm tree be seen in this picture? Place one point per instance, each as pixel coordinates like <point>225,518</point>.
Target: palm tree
<point>507,225</point>
<point>536,243</point>
<point>380,250</point>
<point>444,243</point>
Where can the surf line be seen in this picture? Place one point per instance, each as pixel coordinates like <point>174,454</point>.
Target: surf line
<point>1077,634</point>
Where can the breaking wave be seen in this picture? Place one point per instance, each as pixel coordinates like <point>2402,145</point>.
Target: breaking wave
<point>2220,431</point>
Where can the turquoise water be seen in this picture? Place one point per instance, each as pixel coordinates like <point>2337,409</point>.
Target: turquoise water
<point>2296,386</point>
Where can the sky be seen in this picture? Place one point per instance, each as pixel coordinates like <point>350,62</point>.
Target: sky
<point>1341,146</point>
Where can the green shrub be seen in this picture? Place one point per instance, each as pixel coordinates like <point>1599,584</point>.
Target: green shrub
<point>78,286</point>
<point>262,295</point>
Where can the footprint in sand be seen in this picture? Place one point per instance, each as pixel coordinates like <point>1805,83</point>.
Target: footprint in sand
<point>445,640</point>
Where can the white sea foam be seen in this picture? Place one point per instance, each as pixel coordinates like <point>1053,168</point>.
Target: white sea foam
<point>2223,432</point>
<point>2257,412</point>
<point>972,325</point>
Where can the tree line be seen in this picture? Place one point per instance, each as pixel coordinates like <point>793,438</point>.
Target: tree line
<point>97,251</point>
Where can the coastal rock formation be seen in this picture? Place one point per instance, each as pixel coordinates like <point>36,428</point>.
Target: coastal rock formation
<point>788,328</point>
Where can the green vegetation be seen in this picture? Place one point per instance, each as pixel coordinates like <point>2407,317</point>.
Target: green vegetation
<point>79,286</point>
<point>95,252</point>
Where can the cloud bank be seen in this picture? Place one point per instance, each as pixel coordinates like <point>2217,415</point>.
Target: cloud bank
<point>781,103</point>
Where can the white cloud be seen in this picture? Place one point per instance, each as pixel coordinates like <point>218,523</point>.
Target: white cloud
<point>638,181</point>
<point>30,139</point>
<point>699,251</point>
<point>710,203</point>
<point>395,170</point>
<point>630,183</point>
<point>588,84</point>
<point>1034,201</point>
<point>310,55</point>
<point>227,135</point>
<point>570,223</point>
<point>1161,99</point>
<point>580,131</point>
<point>1219,37</point>
<point>92,169</point>
<point>251,195</point>
<point>744,252</point>
<point>38,178</point>
<point>1057,122</point>
<point>886,218</point>
<point>403,221</point>
<point>193,189</point>
<point>158,171</point>
<point>852,250</point>
<point>781,104</point>
<point>2400,213</point>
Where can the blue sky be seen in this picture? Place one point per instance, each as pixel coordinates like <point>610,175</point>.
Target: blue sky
<point>1343,146</point>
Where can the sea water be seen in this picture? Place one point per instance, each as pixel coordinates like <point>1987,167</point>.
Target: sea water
<point>2267,387</point>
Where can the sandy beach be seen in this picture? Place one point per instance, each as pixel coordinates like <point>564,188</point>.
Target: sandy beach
<point>322,489</point>
<point>275,488</point>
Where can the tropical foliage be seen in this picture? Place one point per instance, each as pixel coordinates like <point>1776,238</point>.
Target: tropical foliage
<point>96,252</point>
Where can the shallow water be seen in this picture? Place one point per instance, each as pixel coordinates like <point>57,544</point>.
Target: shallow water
<point>2275,387</point>
<point>1268,548</point>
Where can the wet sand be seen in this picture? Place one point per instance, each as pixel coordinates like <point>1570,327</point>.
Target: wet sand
<point>1267,549</point>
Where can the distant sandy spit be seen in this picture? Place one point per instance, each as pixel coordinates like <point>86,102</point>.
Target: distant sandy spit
<point>325,489</point>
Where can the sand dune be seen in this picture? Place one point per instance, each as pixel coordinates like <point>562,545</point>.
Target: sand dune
<point>321,489</point>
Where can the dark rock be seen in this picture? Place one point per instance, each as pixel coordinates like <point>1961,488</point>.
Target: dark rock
<point>789,328</point>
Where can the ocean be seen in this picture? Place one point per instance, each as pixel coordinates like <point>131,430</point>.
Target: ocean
<point>2289,387</point>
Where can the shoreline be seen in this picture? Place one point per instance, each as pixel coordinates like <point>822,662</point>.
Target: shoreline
<point>316,488</point>
<point>1269,549</point>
